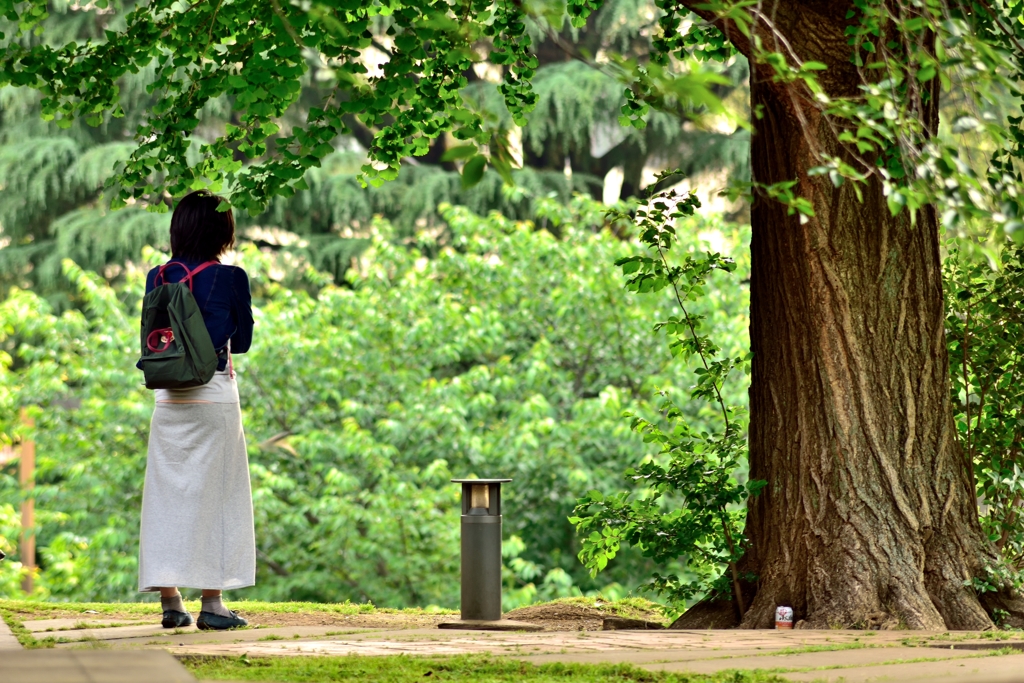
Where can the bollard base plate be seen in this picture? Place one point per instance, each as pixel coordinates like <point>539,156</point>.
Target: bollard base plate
<point>499,625</point>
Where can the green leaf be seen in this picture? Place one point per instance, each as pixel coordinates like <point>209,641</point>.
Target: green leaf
<point>473,170</point>
<point>459,152</point>
<point>896,201</point>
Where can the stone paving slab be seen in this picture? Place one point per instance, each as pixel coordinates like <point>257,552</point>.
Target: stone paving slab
<point>699,652</point>
<point>116,633</point>
<point>175,638</point>
<point>640,658</point>
<point>810,660</point>
<point>42,625</point>
<point>306,639</point>
<point>7,640</point>
<point>1003,669</point>
<point>85,666</point>
<point>874,657</point>
<point>598,645</point>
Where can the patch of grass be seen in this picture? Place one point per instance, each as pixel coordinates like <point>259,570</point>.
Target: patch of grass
<point>33,609</point>
<point>917,660</point>
<point>921,641</point>
<point>150,607</point>
<point>462,669</point>
<point>629,608</point>
<point>784,651</point>
<point>85,625</point>
<point>49,641</point>
<point>38,609</point>
<point>91,644</point>
<point>983,635</point>
<point>272,637</point>
<point>818,648</point>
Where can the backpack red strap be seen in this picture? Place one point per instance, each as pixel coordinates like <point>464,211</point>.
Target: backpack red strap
<point>160,340</point>
<point>189,274</point>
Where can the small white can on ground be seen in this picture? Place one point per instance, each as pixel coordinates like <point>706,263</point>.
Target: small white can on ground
<point>783,617</point>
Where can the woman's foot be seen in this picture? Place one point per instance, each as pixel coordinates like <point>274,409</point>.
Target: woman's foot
<point>175,615</point>
<point>215,616</point>
<point>208,621</point>
<point>176,619</point>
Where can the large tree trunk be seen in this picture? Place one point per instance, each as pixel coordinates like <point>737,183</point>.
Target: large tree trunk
<point>869,514</point>
<point>868,518</point>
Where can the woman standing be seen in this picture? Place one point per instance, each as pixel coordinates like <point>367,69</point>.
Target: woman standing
<point>197,520</point>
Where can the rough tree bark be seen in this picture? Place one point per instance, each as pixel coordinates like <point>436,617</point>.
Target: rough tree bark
<point>868,519</point>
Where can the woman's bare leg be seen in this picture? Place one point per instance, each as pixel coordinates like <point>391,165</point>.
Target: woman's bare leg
<point>169,592</point>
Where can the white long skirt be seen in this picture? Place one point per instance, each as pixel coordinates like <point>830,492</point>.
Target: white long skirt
<point>197,521</point>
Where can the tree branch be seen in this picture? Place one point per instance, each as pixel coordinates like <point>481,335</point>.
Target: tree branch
<point>274,566</point>
<point>727,26</point>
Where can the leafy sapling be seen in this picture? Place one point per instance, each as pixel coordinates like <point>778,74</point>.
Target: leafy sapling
<point>688,501</point>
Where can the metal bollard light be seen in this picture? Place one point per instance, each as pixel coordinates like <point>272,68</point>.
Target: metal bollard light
<point>481,548</point>
<point>481,558</point>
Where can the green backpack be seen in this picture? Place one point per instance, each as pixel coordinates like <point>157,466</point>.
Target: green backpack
<point>177,352</point>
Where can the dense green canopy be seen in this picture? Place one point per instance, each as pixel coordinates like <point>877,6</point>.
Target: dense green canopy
<point>55,204</point>
<point>511,352</point>
<point>399,71</point>
<point>861,156</point>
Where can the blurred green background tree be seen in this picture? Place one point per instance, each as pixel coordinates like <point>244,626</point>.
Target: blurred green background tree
<point>427,327</point>
<point>508,351</point>
<point>53,204</point>
<point>426,337</point>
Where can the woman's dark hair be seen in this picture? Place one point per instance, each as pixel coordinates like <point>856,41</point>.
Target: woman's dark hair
<point>199,232</point>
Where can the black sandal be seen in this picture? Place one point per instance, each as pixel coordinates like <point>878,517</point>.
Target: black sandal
<point>208,621</point>
<point>175,619</point>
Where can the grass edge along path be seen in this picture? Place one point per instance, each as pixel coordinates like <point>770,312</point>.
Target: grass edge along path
<point>454,669</point>
<point>630,607</point>
<point>23,635</point>
<point>150,607</point>
<point>27,638</point>
<point>891,662</point>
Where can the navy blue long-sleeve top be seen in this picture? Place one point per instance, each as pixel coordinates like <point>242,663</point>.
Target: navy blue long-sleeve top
<point>222,293</point>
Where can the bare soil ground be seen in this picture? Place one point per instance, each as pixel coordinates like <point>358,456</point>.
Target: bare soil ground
<point>584,614</point>
<point>567,614</point>
<point>252,612</point>
<point>384,620</point>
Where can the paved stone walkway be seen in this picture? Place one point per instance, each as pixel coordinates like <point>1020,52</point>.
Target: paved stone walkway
<point>7,639</point>
<point>828,656</point>
<point>92,666</point>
